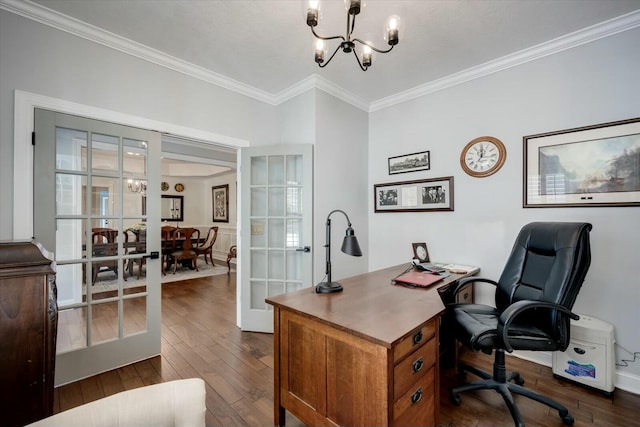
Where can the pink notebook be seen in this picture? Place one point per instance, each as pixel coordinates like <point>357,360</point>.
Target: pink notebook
<point>419,278</point>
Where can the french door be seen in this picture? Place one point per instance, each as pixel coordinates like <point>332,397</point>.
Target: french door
<point>276,228</point>
<point>90,180</point>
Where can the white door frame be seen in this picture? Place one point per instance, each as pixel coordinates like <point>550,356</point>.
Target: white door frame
<point>24,105</point>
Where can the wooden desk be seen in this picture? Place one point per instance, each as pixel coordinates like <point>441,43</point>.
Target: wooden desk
<point>365,356</point>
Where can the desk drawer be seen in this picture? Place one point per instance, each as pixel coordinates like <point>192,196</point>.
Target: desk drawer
<point>414,340</point>
<point>407,373</point>
<point>417,406</point>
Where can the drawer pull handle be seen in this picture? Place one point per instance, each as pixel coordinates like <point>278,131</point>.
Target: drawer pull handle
<point>417,365</point>
<point>417,337</point>
<point>415,397</point>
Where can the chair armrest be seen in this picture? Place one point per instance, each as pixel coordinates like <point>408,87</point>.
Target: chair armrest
<point>464,281</point>
<point>511,312</point>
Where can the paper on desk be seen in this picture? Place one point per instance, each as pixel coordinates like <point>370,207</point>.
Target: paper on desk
<point>461,269</point>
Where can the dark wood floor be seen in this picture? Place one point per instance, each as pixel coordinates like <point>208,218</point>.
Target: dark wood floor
<point>200,339</point>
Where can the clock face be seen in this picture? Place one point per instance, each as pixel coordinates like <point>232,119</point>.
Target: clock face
<point>179,187</point>
<point>483,156</point>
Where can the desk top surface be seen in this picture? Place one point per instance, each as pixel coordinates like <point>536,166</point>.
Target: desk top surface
<point>370,306</point>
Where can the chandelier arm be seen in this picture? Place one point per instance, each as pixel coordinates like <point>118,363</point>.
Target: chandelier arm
<point>352,19</point>
<point>373,47</point>
<point>331,57</point>
<point>325,38</point>
<point>363,68</point>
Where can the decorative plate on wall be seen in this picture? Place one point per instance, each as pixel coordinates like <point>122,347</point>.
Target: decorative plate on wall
<point>179,187</point>
<point>164,185</point>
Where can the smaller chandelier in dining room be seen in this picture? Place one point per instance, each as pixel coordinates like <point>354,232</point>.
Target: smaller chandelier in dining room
<point>137,186</point>
<point>348,43</point>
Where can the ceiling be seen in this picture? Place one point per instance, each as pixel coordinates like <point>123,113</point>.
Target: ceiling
<point>266,44</point>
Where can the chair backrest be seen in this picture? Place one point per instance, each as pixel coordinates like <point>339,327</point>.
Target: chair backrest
<point>548,262</point>
<point>167,236</point>
<point>212,235</point>
<point>105,241</point>
<point>188,236</point>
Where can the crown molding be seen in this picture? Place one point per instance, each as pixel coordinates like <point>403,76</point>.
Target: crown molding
<point>316,81</point>
<point>587,35</point>
<point>92,33</point>
<point>81,29</point>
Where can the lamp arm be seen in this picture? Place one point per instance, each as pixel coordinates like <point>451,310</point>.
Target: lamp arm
<point>342,212</point>
<point>328,244</point>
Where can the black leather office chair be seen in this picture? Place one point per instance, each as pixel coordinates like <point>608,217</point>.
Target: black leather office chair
<point>534,297</point>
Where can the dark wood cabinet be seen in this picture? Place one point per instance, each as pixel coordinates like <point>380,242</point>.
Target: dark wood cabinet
<point>28,327</point>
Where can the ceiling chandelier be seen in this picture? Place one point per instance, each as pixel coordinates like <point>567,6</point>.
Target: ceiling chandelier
<point>137,186</point>
<point>348,43</point>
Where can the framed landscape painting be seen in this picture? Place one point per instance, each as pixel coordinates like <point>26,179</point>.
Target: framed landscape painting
<point>596,165</point>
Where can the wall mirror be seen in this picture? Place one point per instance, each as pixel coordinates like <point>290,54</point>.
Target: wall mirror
<point>171,208</point>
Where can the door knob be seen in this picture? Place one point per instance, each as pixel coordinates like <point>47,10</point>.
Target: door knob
<point>304,249</point>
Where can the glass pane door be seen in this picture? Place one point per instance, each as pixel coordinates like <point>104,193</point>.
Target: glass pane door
<point>276,212</point>
<point>91,216</point>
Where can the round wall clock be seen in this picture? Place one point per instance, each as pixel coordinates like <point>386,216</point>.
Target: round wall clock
<point>179,187</point>
<point>164,185</point>
<point>483,156</point>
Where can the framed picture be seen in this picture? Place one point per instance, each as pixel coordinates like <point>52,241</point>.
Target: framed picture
<point>596,165</point>
<point>410,163</point>
<point>220,197</point>
<point>420,252</point>
<point>414,196</point>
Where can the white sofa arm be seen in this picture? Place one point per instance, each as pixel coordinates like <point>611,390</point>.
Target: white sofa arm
<point>178,403</point>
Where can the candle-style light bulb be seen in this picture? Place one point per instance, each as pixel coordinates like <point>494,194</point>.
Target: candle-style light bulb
<point>319,51</point>
<point>366,56</point>
<point>313,13</point>
<point>353,6</point>
<point>392,29</point>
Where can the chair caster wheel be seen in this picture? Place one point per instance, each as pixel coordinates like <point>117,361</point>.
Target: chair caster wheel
<point>455,399</point>
<point>567,419</point>
<point>519,380</point>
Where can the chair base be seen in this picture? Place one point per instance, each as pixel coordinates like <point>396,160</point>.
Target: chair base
<point>500,381</point>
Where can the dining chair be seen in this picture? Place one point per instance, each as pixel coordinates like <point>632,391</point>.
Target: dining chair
<point>167,247</point>
<point>233,252</point>
<point>184,241</point>
<point>137,245</point>
<point>105,244</point>
<point>206,248</point>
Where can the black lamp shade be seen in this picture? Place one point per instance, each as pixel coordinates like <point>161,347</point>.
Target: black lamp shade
<point>350,244</point>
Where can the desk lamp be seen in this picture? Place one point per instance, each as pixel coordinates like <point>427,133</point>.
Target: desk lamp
<point>350,246</point>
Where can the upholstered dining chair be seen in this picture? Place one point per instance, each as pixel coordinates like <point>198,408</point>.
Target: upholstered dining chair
<point>533,301</point>
<point>184,242</point>
<point>206,248</point>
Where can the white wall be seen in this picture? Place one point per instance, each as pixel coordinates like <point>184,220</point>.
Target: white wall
<point>340,183</point>
<point>590,84</point>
